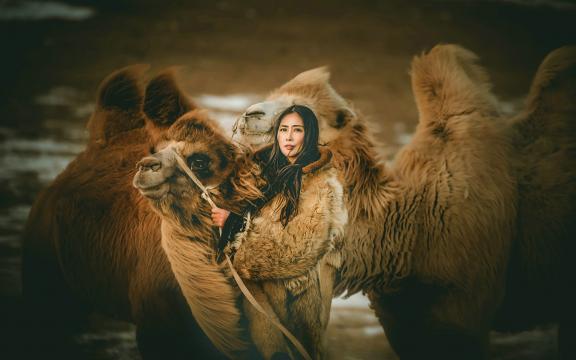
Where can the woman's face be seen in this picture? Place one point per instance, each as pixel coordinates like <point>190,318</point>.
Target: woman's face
<point>291,136</point>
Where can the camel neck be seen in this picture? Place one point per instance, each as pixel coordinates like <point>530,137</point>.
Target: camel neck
<point>207,290</point>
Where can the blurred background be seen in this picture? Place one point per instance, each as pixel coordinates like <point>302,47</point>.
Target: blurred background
<point>232,53</point>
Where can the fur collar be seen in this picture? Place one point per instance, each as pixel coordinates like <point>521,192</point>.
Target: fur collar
<point>263,154</point>
<point>325,156</point>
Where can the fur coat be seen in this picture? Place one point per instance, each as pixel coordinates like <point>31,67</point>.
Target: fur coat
<point>266,250</point>
<point>292,269</point>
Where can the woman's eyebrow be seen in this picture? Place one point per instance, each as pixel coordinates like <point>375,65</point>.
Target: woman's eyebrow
<point>293,126</point>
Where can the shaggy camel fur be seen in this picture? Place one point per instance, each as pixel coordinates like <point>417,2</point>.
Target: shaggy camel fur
<point>188,237</point>
<point>300,298</point>
<point>92,243</point>
<point>436,241</point>
<point>544,141</point>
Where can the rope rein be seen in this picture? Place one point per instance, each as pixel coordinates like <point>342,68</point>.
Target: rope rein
<point>206,196</point>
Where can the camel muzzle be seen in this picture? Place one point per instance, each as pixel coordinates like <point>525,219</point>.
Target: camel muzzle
<point>149,164</point>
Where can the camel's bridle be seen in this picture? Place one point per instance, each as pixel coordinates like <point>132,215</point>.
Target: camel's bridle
<point>206,196</point>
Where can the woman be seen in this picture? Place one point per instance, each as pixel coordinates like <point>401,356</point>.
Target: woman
<point>289,248</point>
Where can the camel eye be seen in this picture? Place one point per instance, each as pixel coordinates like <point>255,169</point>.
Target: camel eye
<point>198,162</point>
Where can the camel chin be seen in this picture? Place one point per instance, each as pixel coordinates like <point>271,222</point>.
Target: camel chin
<point>151,184</point>
<point>157,192</point>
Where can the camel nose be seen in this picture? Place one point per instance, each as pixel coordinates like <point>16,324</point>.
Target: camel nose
<point>149,163</point>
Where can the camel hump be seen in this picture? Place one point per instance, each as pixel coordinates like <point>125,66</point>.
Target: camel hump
<point>312,88</point>
<point>307,82</point>
<point>122,89</point>
<point>319,75</point>
<point>545,144</point>
<point>164,101</point>
<point>448,81</point>
<point>119,104</point>
<point>550,109</point>
<point>553,89</point>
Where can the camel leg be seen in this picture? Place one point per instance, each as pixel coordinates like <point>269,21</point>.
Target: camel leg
<point>51,313</point>
<point>268,339</point>
<point>567,326</point>
<point>415,332</point>
<point>326,279</point>
<point>566,336</point>
<point>309,310</point>
<point>305,314</point>
<point>165,327</point>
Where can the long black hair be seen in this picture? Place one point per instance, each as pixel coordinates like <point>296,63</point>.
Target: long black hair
<point>285,178</point>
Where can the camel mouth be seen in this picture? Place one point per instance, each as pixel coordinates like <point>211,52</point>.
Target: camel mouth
<point>255,123</point>
<point>155,192</point>
<point>152,190</point>
<point>256,133</point>
<point>257,129</point>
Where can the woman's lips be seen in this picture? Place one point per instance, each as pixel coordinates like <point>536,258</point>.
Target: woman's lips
<point>289,147</point>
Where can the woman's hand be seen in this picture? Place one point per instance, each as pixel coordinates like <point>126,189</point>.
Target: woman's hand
<point>219,216</point>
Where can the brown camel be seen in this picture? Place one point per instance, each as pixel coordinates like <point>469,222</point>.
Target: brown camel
<point>92,243</point>
<point>470,228</point>
<point>297,293</point>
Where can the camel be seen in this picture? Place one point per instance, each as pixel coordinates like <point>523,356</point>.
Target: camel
<point>92,242</point>
<point>469,230</point>
<point>189,240</point>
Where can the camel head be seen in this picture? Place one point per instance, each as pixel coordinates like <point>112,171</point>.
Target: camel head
<point>205,150</point>
<point>228,174</point>
<point>310,88</point>
<point>341,127</point>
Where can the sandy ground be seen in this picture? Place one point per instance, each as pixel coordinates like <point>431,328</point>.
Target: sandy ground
<point>231,54</point>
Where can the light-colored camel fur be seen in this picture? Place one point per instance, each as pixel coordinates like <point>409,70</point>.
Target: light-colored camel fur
<point>188,237</point>
<point>301,291</point>
<point>437,241</point>
<point>92,243</point>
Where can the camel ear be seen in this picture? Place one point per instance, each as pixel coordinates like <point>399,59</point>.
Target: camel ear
<point>448,81</point>
<point>343,117</point>
<point>119,104</point>
<point>164,101</point>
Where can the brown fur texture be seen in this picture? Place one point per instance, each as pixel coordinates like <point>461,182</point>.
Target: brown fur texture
<point>92,243</point>
<point>454,213</point>
<point>188,239</point>
<point>544,140</point>
<point>295,265</point>
<point>309,88</point>
<point>436,240</point>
